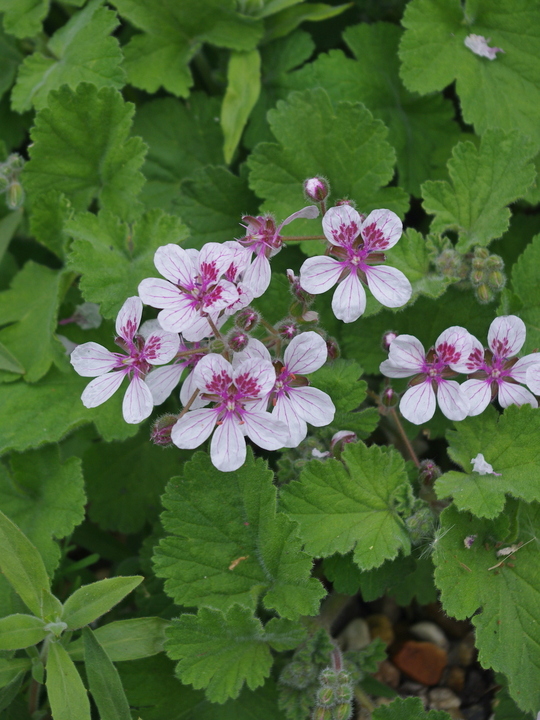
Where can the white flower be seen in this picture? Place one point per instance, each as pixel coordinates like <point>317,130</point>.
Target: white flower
<point>482,467</point>
<point>479,45</point>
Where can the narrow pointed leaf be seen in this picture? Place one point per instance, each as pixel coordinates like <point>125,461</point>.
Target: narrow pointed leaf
<point>104,681</point>
<point>65,689</point>
<point>20,631</point>
<point>127,639</point>
<point>91,601</point>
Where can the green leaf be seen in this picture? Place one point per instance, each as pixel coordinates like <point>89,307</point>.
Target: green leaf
<point>509,443</point>
<point>114,257</point>
<point>31,306</point>
<point>92,601</point>
<point>181,138</point>
<point>11,668</point>
<point>408,709</point>
<point>174,32</point>
<point>45,498</point>
<point>411,256</point>
<point>230,546</point>
<point>23,18</point>
<point>82,50</point>
<point>525,279</point>
<point>222,652</point>
<point>81,147</point>
<point>433,54</point>
<point>127,639</point>
<point>313,136</point>
<point>20,631</point>
<point>243,88</point>
<point>104,680</point>
<point>341,506</point>
<point>22,566</point>
<point>10,57</point>
<point>47,411</point>
<point>50,211</point>
<point>288,20</point>
<point>151,684</point>
<point>9,362</point>
<point>8,228</point>
<point>125,481</point>
<point>484,181</point>
<point>507,628</point>
<point>66,692</point>
<point>212,202</point>
<point>421,129</point>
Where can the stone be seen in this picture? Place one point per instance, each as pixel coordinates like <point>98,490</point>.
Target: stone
<point>388,674</point>
<point>455,679</point>
<point>426,630</point>
<point>421,661</point>
<point>381,627</point>
<point>475,712</point>
<point>356,635</point>
<point>441,698</point>
<point>467,650</point>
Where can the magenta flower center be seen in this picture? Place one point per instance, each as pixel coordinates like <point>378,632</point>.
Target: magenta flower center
<point>230,397</point>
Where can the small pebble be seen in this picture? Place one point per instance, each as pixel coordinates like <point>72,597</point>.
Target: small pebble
<point>356,635</point>
<point>443,699</point>
<point>381,627</point>
<point>467,650</point>
<point>455,679</point>
<point>432,633</point>
<point>388,674</point>
<point>421,661</point>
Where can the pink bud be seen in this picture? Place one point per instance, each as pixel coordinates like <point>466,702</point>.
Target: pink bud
<point>247,319</point>
<point>310,316</point>
<point>316,189</point>
<point>333,349</point>
<point>161,430</point>
<point>342,438</point>
<point>304,297</point>
<point>387,339</point>
<point>288,329</point>
<point>429,472</point>
<point>237,340</point>
<point>389,397</point>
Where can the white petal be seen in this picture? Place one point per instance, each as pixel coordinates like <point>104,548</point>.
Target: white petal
<point>159,293</point>
<point>476,356</point>
<point>407,352</point>
<point>533,377</point>
<point>240,259</point>
<point>454,347</point>
<point>199,328</point>
<point>481,466</point>
<point>91,359</point>
<point>160,346</point>
<point>265,430</point>
<point>479,395</point>
<point>341,225</point>
<point>381,230</point>
<point>254,378</point>
<point>254,349</point>
<point>388,285</point>
<point>318,274</point>
<point>162,382</point>
<point>101,389</point>
<point>349,300</point>
<point>174,263</point>
<point>228,446</point>
<point>306,353</point>
<point>453,402</point>
<point>506,335</point>
<point>312,405</point>
<point>193,428</point>
<point>210,368</point>
<point>179,317</point>
<point>186,392</point>
<point>214,259</point>
<point>138,402</point>
<point>258,275</point>
<point>129,318</point>
<point>390,370</point>
<point>510,394</point>
<point>418,404</point>
<point>520,369</point>
<point>296,427</point>
<point>310,212</point>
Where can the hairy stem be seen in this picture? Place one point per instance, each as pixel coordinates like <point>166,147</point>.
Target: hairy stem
<point>404,437</point>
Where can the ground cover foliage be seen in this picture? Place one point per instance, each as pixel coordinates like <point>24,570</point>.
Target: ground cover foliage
<point>139,581</point>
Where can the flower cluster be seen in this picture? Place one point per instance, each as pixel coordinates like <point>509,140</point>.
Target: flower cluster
<point>493,373</point>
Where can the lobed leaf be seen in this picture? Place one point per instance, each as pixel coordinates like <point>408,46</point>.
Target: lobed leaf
<point>408,709</point>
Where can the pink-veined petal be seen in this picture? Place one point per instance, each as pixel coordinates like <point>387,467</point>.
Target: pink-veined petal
<point>476,356</point>
<point>214,260</point>
<point>310,212</point>
<point>312,405</point>
<point>418,403</point>
<point>210,369</point>
<point>240,259</point>
<point>381,230</point>
<point>101,389</point>
<point>406,352</point>
<point>453,402</point>
<point>129,318</point>
<point>193,428</point>
<point>349,300</point>
<point>265,429</point>
<point>388,369</point>
<point>174,263</point>
<point>285,412</point>
<point>258,274</point>
<point>160,346</point>
<point>162,382</point>
<point>91,359</point>
<point>159,293</point>
<point>254,378</point>
<point>506,335</point>
<point>532,377</point>
<point>306,353</point>
<point>510,394</point>
<point>138,402</point>
<point>254,349</point>
<point>479,395</point>
<point>341,225</point>
<point>186,392</point>
<point>222,296</point>
<point>454,347</point>
<point>180,316</point>
<point>520,369</point>
<point>228,446</point>
<point>319,274</point>
<point>200,328</point>
<point>388,285</point>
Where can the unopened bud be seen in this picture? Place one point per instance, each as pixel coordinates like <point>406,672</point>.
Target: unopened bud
<point>247,319</point>
<point>420,525</point>
<point>342,438</point>
<point>326,696</point>
<point>494,262</point>
<point>298,292</point>
<point>342,712</point>
<point>288,329</point>
<point>478,264</point>
<point>482,253</point>
<point>477,277</point>
<point>387,339</point>
<point>322,713</point>
<point>298,675</point>
<point>333,349</point>
<point>496,280</point>
<point>328,676</point>
<point>310,316</point>
<point>15,196</point>
<point>343,677</point>
<point>237,340</point>
<point>389,397</point>
<point>316,189</point>
<point>429,472</point>
<point>484,294</point>
<point>217,346</point>
<point>161,430</point>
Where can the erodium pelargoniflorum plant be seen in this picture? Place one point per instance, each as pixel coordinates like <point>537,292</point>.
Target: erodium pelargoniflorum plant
<point>269,359</point>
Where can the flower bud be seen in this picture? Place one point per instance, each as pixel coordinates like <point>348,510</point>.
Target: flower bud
<point>310,316</point>
<point>333,349</point>
<point>217,345</point>
<point>161,430</point>
<point>496,280</point>
<point>484,294</point>
<point>288,329</point>
<point>420,525</point>
<point>477,277</point>
<point>298,675</point>
<point>328,676</point>
<point>343,677</point>
<point>237,340</point>
<point>429,472</point>
<point>326,696</point>
<point>342,712</point>
<point>389,397</point>
<point>15,196</point>
<point>388,337</point>
<point>297,291</point>
<point>342,438</point>
<point>481,252</point>
<point>247,319</point>
<point>316,189</point>
<point>495,262</point>
<point>322,713</point>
